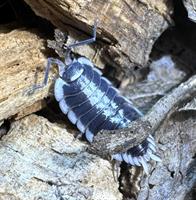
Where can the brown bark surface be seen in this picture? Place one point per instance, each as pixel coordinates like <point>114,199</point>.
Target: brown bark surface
<point>126,30</point>
<point>21,57</point>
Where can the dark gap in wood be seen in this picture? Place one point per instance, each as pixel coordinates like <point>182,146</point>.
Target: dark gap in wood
<point>4,128</point>
<point>151,186</point>
<point>172,173</point>
<point>19,13</point>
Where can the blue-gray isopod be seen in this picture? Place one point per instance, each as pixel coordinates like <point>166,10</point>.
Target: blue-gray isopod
<point>93,104</point>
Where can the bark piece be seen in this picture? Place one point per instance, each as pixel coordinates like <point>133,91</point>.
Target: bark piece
<point>127,28</point>
<point>22,58</point>
<point>175,176</point>
<point>36,106</point>
<point>40,160</point>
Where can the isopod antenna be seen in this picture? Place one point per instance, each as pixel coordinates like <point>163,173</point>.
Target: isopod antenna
<point>67,61</point>
<point>88,41</point>
<point>68,48</point>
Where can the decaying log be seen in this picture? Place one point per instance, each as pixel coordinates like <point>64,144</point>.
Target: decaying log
<point>107,143</point>
<point>40,160</point>
<point>22,55</point>
<point>127,29</point>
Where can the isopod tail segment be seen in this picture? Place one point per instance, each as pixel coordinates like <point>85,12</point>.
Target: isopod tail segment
<point>93,104</point>
<point>140,155</point>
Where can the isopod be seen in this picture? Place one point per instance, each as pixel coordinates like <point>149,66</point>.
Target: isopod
<point>92,103</point>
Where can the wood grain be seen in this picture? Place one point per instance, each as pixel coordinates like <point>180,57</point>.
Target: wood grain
<point>22,58</point>
<point>128,28</point>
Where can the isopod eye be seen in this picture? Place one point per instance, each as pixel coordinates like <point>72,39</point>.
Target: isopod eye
<point>73,72</point>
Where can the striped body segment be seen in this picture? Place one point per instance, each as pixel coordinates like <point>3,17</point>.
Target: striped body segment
<point>93,104</point>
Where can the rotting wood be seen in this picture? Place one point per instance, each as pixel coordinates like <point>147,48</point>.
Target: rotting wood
<point>128,28</point>
<point>22,58</point>
<point>107,143</point>
<point>44,161</point>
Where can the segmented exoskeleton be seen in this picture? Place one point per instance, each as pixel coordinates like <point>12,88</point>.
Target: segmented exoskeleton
<point>93,104</point>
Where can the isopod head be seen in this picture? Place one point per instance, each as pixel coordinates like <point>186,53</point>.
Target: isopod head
<point>72,72</point>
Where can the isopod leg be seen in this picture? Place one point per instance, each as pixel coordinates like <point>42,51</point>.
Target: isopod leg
<point>50,61</point>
